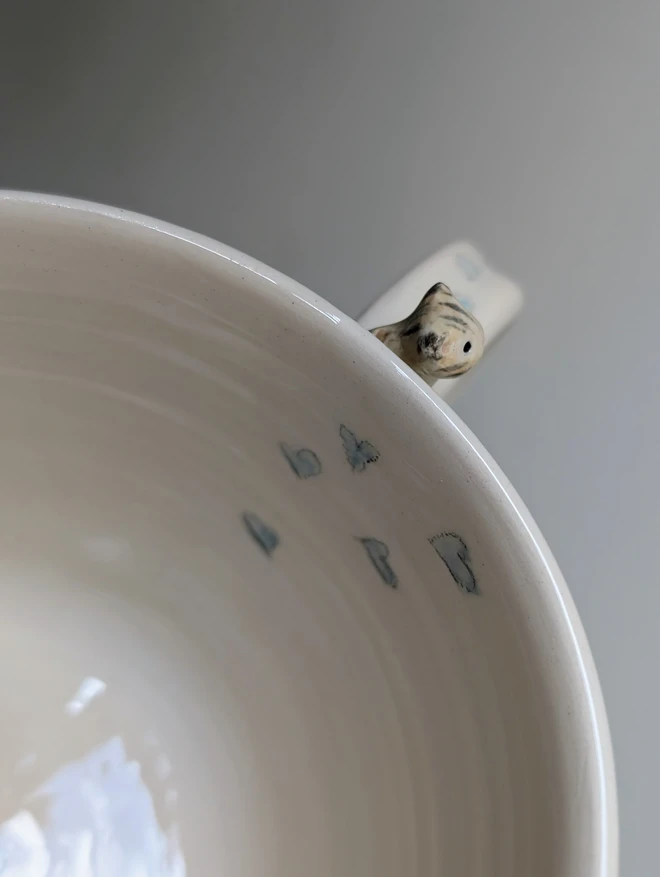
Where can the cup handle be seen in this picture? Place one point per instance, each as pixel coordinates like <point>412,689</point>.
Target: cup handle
<point>494,300</point>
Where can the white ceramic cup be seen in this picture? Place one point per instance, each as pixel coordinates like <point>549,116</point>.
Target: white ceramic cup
<point>269,608</point>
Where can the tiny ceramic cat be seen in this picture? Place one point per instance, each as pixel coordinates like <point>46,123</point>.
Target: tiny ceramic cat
<point>440,339</point>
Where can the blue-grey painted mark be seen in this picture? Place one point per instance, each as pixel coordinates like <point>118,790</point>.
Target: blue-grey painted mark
<point>378,554</point>
<point>471,269</point>
<point>358,453</point>
<point>265,537</point>
<point>465,302</point>
<point>305,463</point>
<point>454,552</point>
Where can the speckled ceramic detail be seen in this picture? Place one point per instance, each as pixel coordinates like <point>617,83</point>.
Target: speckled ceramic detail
<point>227,645</point>
<point>491,298</point>
<point>440,339</point>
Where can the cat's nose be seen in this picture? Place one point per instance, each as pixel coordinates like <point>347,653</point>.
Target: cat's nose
<point>432,345</point>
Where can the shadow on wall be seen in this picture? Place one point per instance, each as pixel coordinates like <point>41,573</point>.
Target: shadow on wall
<point>44,47</point>
<point>82,80</point>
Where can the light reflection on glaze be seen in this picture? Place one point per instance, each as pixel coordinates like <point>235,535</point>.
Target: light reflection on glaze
<point>107,549</point>
<point>26,762</point>
<point>23,851</point>
<point>100,822</point>
<point>90,688</point>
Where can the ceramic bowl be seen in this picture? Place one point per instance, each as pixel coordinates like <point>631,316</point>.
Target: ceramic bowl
<point>269,608</point>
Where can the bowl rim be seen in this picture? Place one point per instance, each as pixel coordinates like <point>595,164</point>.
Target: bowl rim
<point>354,337</point>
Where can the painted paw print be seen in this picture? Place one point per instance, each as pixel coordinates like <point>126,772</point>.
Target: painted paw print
<point>378,554</point>
<point>304,462</point>
<point>359,453</point>
<point>456,556</point>
<point>264,535</point>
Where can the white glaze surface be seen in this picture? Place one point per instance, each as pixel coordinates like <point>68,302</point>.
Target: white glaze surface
<point>265,715</point>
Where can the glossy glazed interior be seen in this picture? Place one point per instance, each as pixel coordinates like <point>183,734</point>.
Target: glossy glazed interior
<point>245,712</point>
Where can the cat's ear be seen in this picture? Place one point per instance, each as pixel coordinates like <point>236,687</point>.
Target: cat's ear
<point>383,333</point>
<point>438,287</point>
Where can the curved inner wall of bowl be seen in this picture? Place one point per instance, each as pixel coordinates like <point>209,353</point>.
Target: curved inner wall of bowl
<point>260,600</point>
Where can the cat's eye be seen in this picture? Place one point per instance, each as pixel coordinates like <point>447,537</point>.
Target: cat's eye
<point>467,347</point>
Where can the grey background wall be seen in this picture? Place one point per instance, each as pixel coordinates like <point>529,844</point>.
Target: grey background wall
<point>341,141</point>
